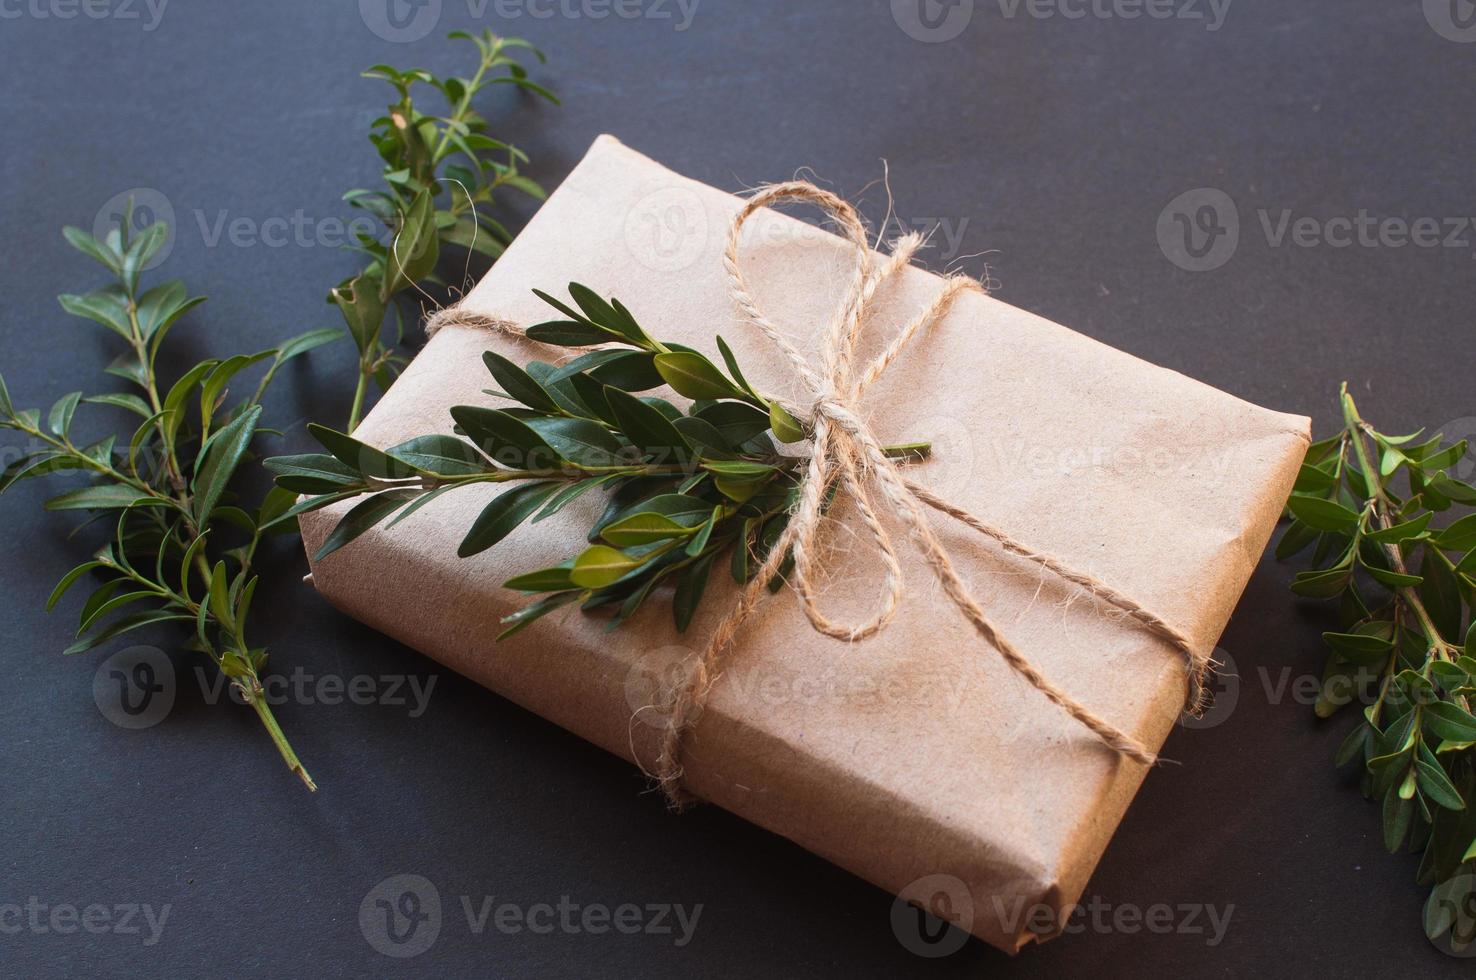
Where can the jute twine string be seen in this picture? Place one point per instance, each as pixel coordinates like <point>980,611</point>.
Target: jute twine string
<point>848,456</point>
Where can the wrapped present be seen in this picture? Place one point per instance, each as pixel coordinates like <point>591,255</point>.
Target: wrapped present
<point>983,742</point>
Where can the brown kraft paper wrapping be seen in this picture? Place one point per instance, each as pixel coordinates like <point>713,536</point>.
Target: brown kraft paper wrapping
<point>917,753</point>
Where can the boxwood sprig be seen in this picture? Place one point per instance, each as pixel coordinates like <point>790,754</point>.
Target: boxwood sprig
<point>683,487</point>
<point>1366,503</point>
<point>184,541</point>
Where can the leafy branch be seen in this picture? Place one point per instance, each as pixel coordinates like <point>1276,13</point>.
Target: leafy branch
<point>169,490</point>
<point>441,175</point>
<point>1405,628</point>
<point>683,487</point>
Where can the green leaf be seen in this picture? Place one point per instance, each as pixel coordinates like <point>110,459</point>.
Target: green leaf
<point>161,307</point>
<point>1295,540</point>
<point>1359,643</point>
<point>607,315</point>
<point>694,376</point>
<point>1401,532</point>
<point>1393,580</point>
<point>569,333</point>
<point>518,383</point>
<point>1437,785</point>
<point>502,515</point>
<point>643,528</point>
<point>733,368</point>
<point>1456,490</point>
<point>441,455</point>
<point>414,251</point>
<point>362,517</point>
<point>644,426</point>
<point>362,308</point>
<point>1447,720</point>
<point>219,460</point>
<point>699,540</point>
<point>179,393</point>
<point>312,473</point>
<point>213,386</point>
<point>1324,515</point>
<point>67,581</point>
<point>529,613</point>
<point>1444,459</point>
<point>571,493</point>
<point>600,566</point>
<point>143,247</point>
<point>785,426</point>
<point>360,457</point>
<point>689,591</point>
<point>218,599</point>
<point>104,497</point>
<point>123,625</point>
<point>1313,480</point>
<point>305,342</point>
<point>131,403</point>
<point>108,307</point>
<point>582,442</point>
<point>87,245</point>
<point>737,421</point>
<point>684,510</point>
<point>1322,584</point>
<point>60,419</point>
<point>114,603</point>
<point>1460,536</point>
<point>546,580</point>
<point>1398,814</point>
<point>504,438</point>
<point>418,503</point>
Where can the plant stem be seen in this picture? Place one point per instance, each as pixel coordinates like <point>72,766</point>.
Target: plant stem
<point>359,391</point>
<point>264,712</point>
<point>1382,506</point>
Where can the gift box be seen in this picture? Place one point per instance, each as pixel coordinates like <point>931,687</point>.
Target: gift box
<point>917,758</point>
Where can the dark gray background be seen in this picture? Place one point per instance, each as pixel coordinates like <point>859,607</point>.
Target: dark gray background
<point>1056,142</point>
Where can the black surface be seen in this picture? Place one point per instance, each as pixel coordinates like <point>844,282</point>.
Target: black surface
<point>1058,141</point>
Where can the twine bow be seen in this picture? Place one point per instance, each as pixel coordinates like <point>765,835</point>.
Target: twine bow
<point>848,457</point>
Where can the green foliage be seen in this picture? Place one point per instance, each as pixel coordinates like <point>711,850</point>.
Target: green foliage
<point>1366,503</point>
<point>682,486</point>
<point>442,174</point>
<point>166,485</point>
